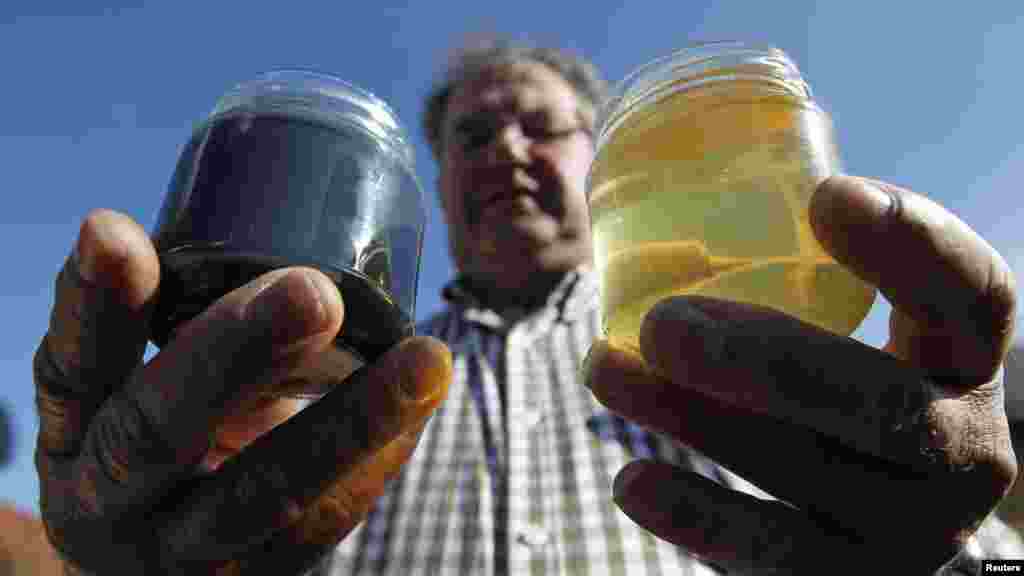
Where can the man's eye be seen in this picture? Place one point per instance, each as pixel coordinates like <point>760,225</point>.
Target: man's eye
<point>474,133</point>
<point>475,137</point>
<point>546,131</point>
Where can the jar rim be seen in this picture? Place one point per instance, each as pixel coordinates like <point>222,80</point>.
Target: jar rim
<point>327,97</point>
<point>689,67</point>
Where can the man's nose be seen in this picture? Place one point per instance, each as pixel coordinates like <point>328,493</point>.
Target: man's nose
<point>510,145</point>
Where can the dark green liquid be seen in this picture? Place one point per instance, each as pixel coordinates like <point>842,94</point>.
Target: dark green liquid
<point>191,280</point>
<point>256,190</point>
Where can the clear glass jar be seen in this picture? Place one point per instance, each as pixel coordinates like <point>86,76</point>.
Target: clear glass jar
<point>296,168</point>
<point>705,165</point>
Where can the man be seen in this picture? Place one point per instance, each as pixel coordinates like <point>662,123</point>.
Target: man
<point>881,461</point>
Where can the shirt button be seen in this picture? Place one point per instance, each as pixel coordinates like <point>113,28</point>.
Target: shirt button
<point>533,536</point>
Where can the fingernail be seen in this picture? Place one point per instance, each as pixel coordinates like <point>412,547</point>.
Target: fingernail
<point>613,374</point>
<point>421,375</point>
<point>100,228</point>
<point>845,203</point>
<point>293,305</point>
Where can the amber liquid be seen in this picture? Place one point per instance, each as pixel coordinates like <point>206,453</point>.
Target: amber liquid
<point>706,192</point>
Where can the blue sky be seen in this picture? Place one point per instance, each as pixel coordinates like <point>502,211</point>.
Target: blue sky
<point>96,102</point>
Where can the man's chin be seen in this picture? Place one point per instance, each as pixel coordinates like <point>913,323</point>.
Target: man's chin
<point>532,255</point>
<point>511,239</point>
<point>526,244</point>
<point>529,245</point>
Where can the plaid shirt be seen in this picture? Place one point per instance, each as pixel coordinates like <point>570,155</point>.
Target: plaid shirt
<point>513,472</point>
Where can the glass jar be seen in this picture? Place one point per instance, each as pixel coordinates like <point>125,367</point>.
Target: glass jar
<point>296,168</point>
<point>705,165</point>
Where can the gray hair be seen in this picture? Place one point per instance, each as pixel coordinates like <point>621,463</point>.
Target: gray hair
<point>582,76</point>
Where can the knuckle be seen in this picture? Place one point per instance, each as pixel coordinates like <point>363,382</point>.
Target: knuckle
<point>91,504</point>
<point>71,512</point>
<point>234,305</point>
<point>61,422</point>
<point>90,334</point>
<point>977,458</point>
<point>46,370</point>
<point>234,312</point>
<point>63,413</point>
<point>124,441</point>
<point>70,321</point>
<point>991,448</point>
<point>228,310</point>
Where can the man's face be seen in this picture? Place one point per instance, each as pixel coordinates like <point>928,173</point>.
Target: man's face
<point>515,149</point>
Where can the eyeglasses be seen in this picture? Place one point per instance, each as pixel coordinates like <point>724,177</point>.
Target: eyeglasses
<point>475,132</point>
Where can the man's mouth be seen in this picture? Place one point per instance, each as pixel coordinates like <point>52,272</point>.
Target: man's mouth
<point>521,184</point>
<point>507,196</point>
<point>507,205</point>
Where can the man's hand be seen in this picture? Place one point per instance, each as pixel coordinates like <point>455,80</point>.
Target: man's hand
<point>879,458</point>
<point>124,449</point>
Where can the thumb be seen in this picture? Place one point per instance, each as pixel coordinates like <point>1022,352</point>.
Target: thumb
<point>98,326</point>
<point>953,294</point>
